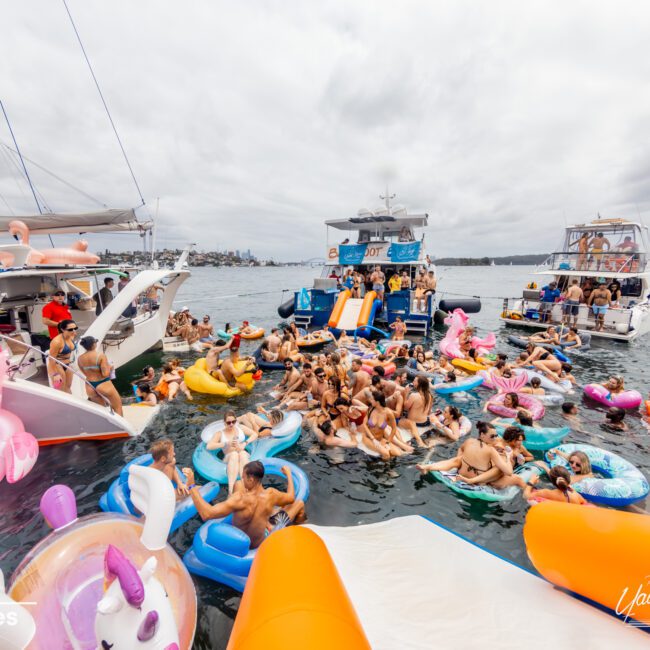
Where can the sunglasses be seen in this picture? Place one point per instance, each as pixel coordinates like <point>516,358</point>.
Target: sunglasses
<point>231,421</point>
<point>71,329</point>
<point>573,463</point>
<point>492,436</point>
<point>60,294</point>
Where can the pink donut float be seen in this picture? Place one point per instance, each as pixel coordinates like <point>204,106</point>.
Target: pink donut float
<point>628,399</point>
<point>528,402</point>
<point>389,368</point>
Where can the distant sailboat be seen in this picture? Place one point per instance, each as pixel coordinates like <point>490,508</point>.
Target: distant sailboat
<point>493,264</point>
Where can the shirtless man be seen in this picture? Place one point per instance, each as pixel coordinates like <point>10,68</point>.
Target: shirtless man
<point>274,341</point>
<point>257,511</point>
<point>600,300</point>
<point>572,298</point>
<point>164,460</point>
<point>231,374</point>
<point>378,278</point>
<point>597,245</point>
<point>319,385</point>
<point>399,392</point>
<point>430,284</point>
<point>290,377</point>
<point>296,396</point>
<point>212,360</point>
<point>420,287</point>
<point>583,248</point>
<point>206,330</point>
<point>359,378</point>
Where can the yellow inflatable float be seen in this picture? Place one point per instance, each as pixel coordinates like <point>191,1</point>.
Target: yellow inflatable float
<point>294,598</point>
<point>597,553</point>
<point>468,366</point>
<point>198,379</point>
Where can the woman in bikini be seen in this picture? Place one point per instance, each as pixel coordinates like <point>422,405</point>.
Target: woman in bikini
<point>98,371</point>
<point>351,414</point>
<point>399,329</point>
<point>62,348</point>
<point>478,461</point>
<point>379,431</point>
<point>170,383</point>
<point>232,439</point>
<point>561,480</point>
<point>418,406</point>
<point>263,427</point>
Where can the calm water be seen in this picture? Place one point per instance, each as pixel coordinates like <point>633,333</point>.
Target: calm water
<point>347,488</point>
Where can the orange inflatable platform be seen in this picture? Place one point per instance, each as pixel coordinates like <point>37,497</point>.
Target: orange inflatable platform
<point>597,553</point>
<point>294,598</point>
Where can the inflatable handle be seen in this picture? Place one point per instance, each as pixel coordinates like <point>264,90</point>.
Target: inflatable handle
<point>59,506</point>
<point>153,494</point>
<point>293,594</point>
<point>386,335</point>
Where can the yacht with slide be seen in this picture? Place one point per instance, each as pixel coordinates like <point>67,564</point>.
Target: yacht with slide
<point>387,237</point>
<point>127,327</point>
<point>622,259</point>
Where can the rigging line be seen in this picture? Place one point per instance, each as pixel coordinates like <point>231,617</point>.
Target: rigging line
<point>101,95</point>
<point>58,178</point>
<point>29,180</point>
<point>7,204</point>
<point>11,163</point>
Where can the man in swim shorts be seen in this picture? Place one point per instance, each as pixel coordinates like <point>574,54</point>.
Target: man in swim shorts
<point>598,244</point>
<point>378,278</point>
<point>572,298</point>
<point>600,300</point>
<point>257,511</point>
<point>164,460</point>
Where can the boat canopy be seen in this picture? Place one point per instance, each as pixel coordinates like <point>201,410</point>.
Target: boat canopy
<point>104,221</point>
<point>377,223</point>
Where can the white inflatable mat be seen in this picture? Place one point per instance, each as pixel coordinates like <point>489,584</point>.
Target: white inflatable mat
<point>414,585</point>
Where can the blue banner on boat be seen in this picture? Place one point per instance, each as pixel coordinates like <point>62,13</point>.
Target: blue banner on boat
<point>304,300</point>
<point>404,252</point>
<point>352,253</point>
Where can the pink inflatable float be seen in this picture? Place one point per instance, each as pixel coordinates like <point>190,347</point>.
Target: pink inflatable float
<point>76,254</point>
<point>457,322</point>
<point>628,399</point>
<point>18,449</point>
<point>512,385</point>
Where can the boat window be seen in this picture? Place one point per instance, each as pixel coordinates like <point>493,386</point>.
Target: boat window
<point>631,287</point>
<point>364,237</point>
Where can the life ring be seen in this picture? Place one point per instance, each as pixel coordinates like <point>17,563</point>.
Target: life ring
<point>198,379</point>
<point>257,333</point>
<point>628,399</point>
<point>528,402</point>
<point>621,482</point>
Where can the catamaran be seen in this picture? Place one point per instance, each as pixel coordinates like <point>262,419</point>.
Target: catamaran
<point>127,327</point>
<point>619,254</point>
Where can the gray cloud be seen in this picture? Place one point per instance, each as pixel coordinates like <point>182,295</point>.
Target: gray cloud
<point>255,122</point>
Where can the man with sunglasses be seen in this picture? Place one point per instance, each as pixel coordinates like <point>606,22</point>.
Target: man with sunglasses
<point>54,312</point>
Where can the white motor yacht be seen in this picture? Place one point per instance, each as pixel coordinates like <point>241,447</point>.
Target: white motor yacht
<point>618,254</point>
<point>128,326</point>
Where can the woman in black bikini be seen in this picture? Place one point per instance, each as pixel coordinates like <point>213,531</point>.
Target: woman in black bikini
<point>62,348</point>
<point>379,431</point>
<point>418,406</point>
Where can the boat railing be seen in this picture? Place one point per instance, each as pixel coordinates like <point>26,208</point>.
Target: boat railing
<point>17,367</point>
<point>607,261</point>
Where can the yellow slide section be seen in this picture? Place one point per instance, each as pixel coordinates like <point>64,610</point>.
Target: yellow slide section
<point>294,598</point>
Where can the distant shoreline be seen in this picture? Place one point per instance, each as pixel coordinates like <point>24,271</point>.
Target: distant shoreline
<point>515,260</point>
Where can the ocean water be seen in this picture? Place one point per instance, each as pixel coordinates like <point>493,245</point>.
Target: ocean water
<point>347,487</point>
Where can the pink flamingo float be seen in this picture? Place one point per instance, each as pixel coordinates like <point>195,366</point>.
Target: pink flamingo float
<point>18,449</point>
<point>77,253</point>
<point>457,322</point>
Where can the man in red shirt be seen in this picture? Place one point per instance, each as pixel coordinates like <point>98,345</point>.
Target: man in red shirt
<point>55,311</point>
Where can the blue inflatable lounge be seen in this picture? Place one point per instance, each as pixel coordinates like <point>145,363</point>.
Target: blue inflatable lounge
<point>537,438</point>
<point>210,465</point>
<point>118,496</point>
<point>458,386</point>
<point>268,365</point>
<point>620,483</point>
<point>222,552</point>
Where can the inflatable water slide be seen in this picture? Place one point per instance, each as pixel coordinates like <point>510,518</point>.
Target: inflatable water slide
<point>351,313</point>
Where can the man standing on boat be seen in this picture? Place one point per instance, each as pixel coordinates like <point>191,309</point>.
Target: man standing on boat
<point>378,278</point>
<point>104,296</point>
<point>54,312</point>
<point>600,299</point>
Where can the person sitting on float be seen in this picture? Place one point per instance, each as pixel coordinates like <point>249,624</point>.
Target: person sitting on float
<point>510,401</point>
<point>578,462</point>
<point>561,481</point>
<point>549,336</point>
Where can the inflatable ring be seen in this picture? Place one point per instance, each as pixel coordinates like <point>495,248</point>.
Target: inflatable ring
<point>486,492</point>
<point>210,465</point>
<point>621,483</point>
<point>467,365</point>
<point>538,438</point>
<point>198,379</point>
<point>528,402</point>
<point>118,496</point>
<point>222,552</point>
<point>257,333</point>
<point>458,386</point>
<point>313,341</point>
<point>628,399</point>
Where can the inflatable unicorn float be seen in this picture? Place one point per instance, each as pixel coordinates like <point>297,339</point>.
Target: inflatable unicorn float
<point>84,585</point>
<point>450,344</point>
<point>76,253</point>
<point>18,449</point>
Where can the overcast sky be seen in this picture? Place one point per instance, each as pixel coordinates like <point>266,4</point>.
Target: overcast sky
<point>256,121</point>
